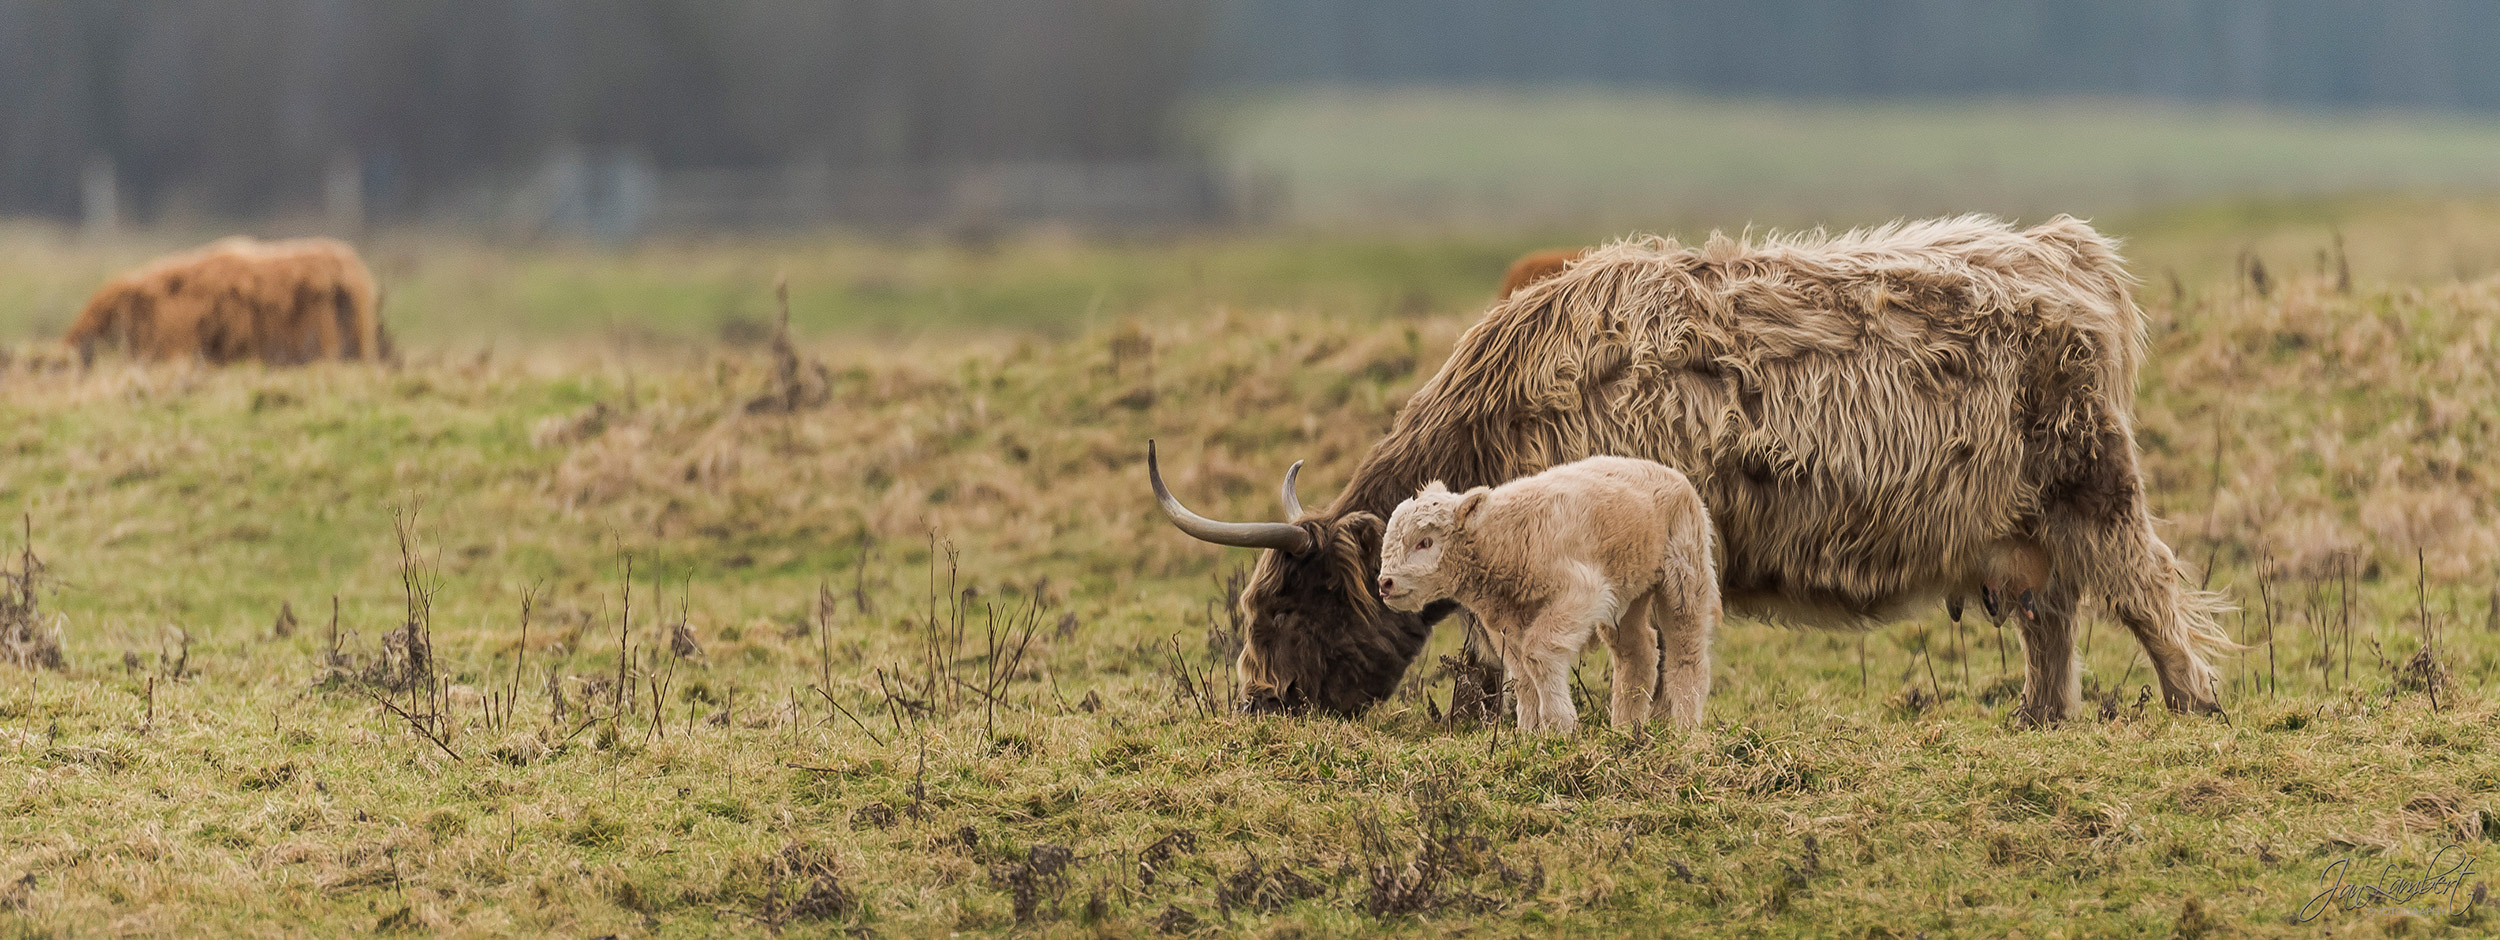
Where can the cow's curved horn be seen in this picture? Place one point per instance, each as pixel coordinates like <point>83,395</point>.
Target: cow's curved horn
<point>1293,503</point>
<point>1276,535</point>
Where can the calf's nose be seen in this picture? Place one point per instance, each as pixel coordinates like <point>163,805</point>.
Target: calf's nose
<point>1387,584</point>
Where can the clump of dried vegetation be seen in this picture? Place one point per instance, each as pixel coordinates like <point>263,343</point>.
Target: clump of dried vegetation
<point>27,641</point>
<point>917,656</point>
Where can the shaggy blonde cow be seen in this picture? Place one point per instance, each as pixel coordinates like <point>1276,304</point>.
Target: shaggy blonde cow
<point>1607,547</point>
<point>281,302</point>
<point>1876,419</point>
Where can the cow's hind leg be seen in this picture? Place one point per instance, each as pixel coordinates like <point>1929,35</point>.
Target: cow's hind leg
<point>2050,684</point>
<point>1633,641</point>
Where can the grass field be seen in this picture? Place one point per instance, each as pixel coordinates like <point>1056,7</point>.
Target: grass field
<point>1503,159</point>
<point>923,659</point>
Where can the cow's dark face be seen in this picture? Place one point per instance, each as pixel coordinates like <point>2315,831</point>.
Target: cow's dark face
<point>1319,638</point>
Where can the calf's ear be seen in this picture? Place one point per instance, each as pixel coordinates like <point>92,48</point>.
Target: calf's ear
<point>1467,507</point>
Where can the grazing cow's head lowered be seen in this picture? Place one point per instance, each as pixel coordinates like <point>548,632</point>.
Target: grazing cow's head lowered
<point>1319,637</point>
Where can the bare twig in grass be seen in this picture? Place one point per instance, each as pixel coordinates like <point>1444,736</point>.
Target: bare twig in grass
<point>2346,573</point>
<point>846,713</point>
<point>859,576</point>
<point>556,706</point>
<point>796,385</point>
<point>624,627</point>
<point>1194,686</point>
<point>824,635</point>
<point>529,602</point>
<point>2274,681</point>
<point>501,705</point>
<point>417,584</point>
<point>414,723</point>
<point>2425,669</point>
<point>2421,596</point>
<point>994,680</point>
<point>1927,654</point>
<point>659,684</point>
<point>919,781</point>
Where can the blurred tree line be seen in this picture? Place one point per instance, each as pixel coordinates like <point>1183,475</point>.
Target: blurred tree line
<point>245,107</point>
<point>249,107</point>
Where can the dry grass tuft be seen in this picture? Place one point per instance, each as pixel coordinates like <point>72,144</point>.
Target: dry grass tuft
<point>26,640</point>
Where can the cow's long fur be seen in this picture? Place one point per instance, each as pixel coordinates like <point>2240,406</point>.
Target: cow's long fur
<point>282,302</point>
<point>1608,548</point>
<point>1865,415</point>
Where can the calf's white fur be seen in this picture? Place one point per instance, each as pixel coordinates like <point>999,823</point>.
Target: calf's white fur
<point>1606,547</point>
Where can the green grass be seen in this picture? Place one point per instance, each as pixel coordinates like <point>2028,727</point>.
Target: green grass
<point>260,787</point>
<point>1503,159</point>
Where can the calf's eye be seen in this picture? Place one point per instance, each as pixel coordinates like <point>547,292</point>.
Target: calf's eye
<point>1426,543</point>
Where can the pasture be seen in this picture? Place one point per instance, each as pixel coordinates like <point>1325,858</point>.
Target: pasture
<point>571,625</point>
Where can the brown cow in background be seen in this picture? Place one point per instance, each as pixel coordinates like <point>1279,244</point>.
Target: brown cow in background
<point>1536,266</point>
<point>281,302</point>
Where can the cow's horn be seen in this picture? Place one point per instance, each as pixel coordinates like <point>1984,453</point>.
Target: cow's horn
<point>1276,535</point>
<point>1293,503</point>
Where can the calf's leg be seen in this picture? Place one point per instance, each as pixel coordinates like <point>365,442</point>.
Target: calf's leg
<point>1552,640</point>
<point>1633,643</point>
<point>1687,613</point>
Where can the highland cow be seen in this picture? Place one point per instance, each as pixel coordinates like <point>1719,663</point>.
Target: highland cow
<point>1607,547</point>
<point>1869,417</point>
<point>1536,266</point>
<point>281,302</point>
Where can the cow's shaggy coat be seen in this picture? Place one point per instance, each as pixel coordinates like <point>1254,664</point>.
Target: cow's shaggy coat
<point>1608,548</point>
<point>1865,415</point>
<point>281,302</point>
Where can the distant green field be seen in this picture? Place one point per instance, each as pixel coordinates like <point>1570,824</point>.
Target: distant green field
<point>1570,157</point>
<point>458,295</point>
